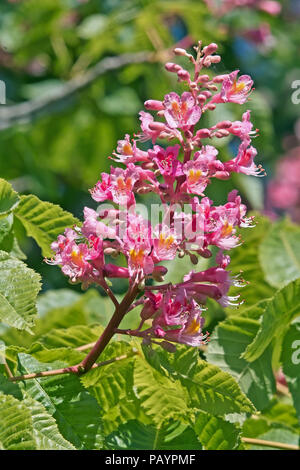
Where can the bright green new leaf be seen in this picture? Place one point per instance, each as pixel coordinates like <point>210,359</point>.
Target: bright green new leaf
<point>16,428</point>
<point>19,287</point>
<point>43,221</point>
<point>9,199</point>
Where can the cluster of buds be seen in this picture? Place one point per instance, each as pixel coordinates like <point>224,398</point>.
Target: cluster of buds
<point>117,241</point>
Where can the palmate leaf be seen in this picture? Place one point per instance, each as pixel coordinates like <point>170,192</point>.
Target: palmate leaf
<point>278,313</point>
<point>135,435</point>
<point>19,287</point>
<point>43,221</point>
<point>9,199</point>
<point>279,254</point>
<point>215,433</point>
<point>290,358</point>
<point>228,341</point>
<point>76,412</point>
<point>16,429</point>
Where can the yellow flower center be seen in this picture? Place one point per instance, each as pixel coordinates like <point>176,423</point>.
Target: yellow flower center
<point>237,87</point>
<point>193,327</point>
<point>137,256</point>
<point>127,149</point>
<point>165,241</point>
<point>194,176</point>
<point>124,185</point>
<point>226,229</point>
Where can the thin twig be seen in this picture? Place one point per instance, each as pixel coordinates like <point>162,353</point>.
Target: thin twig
<point>29,110</point>
<point>69,370</point>
<point>84,347</point>
<point>7,368</point>
<point>262,442</point>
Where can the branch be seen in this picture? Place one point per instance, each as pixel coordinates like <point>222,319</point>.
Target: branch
<point>30,110</point>
<point>109,331</point>
<point>278,445</point>
<point>70,370</point>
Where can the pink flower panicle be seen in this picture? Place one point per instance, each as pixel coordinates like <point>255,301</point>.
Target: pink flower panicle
<point>178,174</point>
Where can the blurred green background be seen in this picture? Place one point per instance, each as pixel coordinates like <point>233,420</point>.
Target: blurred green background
<point>47,46</point>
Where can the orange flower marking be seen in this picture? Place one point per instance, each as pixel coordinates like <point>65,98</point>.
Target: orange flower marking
<point>194,176</point>
<point>193,327</point>
<point>127,149</point>
<point>226,229</point>
<point>237,87</point>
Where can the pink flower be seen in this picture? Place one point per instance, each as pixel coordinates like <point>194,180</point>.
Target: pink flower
<point>181,112</point>
<point>165,243</point>
<point>122,183</point>
<point>128,152</point>
<point>167,161</point>
<point>234,90</point>
<point>243,129</point>
<point>244,161</point>
<point>148,133</point>
<point>101,191</point>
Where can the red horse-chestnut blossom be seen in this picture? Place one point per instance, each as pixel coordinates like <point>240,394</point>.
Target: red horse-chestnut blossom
<point>177,174</point>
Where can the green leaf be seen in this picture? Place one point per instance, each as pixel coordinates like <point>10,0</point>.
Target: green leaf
<point>112,386</point>
<point>19,287</point>
<point>76,412</point>
<point>45,430</point>
<point>16,431</point>
<point>214,391</point>
<point>215,433</point>
<point>161,398</point>
<point>5,226</point>
<point>228,341</point>
<point>135,435</point>
<point>43,221</point>
<point>279,254</point>
<point>290,358</point>
<point>9,199</point>
<point>279,312</point>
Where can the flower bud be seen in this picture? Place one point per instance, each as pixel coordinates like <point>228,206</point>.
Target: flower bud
<point>157,126</point>
<point>171,67</point>
<point>203,133</point>
<point>180,51</point>
<point>224,125</point>
<point>215,59</point>
<point>183,74</point>
<point>154,105</point>
<point>210,49</point>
